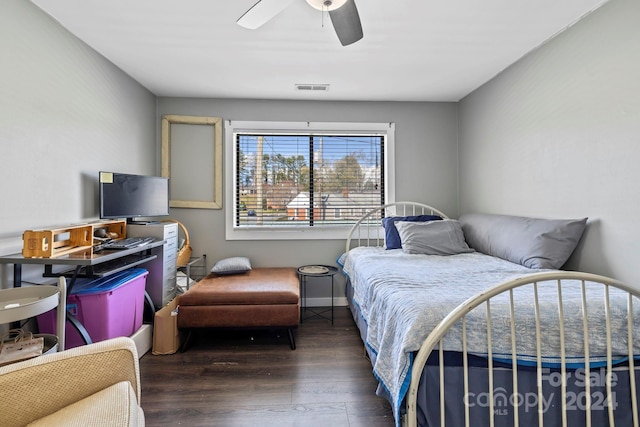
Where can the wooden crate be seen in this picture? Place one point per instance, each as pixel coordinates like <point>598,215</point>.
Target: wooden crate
<point>65,240</point>
<point>56,242</point>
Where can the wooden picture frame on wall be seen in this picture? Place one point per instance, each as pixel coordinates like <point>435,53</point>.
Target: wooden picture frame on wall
<point>192,159</point>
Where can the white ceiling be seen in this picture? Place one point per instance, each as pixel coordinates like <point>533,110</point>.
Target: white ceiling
<point>412,50</point>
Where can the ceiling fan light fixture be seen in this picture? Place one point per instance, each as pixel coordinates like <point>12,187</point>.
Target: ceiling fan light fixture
<point>343,13</point>
<point>326,5</point>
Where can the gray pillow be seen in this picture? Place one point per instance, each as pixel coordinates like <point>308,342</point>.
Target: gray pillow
<point>532,242</point>
<point>432,238</point>
<point>233,265</point>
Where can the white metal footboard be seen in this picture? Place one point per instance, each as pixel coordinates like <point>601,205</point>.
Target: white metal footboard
<point>368,230</point>
<point>538,283</point>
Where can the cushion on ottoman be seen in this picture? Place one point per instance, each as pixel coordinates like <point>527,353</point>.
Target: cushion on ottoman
<point>260,286</point>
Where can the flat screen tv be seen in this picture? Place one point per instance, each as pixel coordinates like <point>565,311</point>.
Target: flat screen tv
<point>133,196</point>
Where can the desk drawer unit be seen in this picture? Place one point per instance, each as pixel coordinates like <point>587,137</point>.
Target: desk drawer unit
<point>161,282</point>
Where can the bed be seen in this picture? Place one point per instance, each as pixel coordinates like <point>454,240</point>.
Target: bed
<point>472,319</point>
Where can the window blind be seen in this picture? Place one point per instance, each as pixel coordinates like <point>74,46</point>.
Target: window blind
<point>307,180</point>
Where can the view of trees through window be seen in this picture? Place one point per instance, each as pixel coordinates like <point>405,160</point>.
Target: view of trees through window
<point>307,180</point>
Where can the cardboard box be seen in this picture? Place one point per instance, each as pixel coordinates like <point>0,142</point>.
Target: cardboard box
<point>166,336</point>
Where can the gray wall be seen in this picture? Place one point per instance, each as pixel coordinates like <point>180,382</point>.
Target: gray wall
<point>426,168</point>
<point>558,135</point>
<point>555,135</point>
<point>65,114</point>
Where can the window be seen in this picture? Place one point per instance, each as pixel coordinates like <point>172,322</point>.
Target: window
<point>316,178</point>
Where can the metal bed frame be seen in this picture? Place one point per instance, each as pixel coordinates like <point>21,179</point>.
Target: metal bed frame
<point>560,280</point>
<point>368,232</point>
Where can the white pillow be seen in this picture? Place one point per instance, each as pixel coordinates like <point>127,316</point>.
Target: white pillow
<point>432,238</point>
<point>233,265</point>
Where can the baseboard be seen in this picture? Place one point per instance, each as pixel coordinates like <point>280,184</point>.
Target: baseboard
<point>143,338</point>
<point>326,302</point>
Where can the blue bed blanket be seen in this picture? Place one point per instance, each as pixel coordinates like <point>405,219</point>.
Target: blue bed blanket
<point>403,297</point>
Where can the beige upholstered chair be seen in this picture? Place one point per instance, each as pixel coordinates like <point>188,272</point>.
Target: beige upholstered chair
<point>92,385</point>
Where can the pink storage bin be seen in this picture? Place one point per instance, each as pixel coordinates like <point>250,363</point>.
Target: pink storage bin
<point>108,307</point>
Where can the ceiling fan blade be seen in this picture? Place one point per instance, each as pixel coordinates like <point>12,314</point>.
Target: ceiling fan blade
<point>262,12</point>
<point>346,22</point>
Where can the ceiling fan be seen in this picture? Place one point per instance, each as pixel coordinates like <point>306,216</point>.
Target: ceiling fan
<point>343,13</point>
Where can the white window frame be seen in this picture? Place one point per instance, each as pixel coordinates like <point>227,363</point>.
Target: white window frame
<point>298,233</point>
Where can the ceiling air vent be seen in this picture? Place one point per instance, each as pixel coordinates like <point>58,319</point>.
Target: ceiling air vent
<point>313,87</point>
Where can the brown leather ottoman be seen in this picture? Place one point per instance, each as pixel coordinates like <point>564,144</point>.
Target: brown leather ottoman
<point>261,297</point>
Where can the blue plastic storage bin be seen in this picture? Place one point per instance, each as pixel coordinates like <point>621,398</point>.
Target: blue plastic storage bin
<point>108,307</point>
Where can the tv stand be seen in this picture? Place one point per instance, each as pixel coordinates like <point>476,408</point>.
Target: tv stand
<point>81,263</point>
<point>131,221</point>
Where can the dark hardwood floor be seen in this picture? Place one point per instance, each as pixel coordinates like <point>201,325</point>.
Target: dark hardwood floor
<point>253,378</point>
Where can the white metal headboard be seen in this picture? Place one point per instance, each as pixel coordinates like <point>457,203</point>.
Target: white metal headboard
<point>368,230</point>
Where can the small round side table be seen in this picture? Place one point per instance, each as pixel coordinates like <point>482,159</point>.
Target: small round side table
<point>304,273</point>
